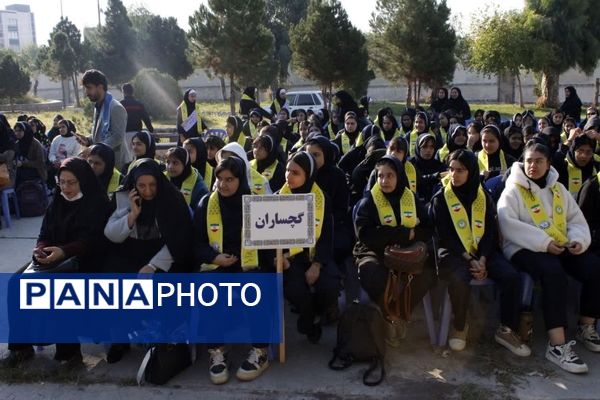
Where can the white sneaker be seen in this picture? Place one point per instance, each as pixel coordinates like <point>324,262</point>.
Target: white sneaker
<point>588,335</point>
<point>564,356</point>
<point>254,365</point>
<point>458,339</point>
<point>509,339</point>
<point>219,366</point>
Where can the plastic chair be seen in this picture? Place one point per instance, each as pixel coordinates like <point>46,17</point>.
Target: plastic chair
<point>5,195</point>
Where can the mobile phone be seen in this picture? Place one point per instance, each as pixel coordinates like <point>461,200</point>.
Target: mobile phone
<point>41,254</point>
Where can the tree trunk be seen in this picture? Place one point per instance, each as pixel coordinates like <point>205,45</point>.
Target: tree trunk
<point>328,99</point>
<point>415,93</point>
<point>521,103</point>
<point>549,90</point>
<point>223,88</point>
<point>408,93</point>
<point>76,90</point>
<point>419,90</point>
<point>231,95</point>
<point>64,92</point>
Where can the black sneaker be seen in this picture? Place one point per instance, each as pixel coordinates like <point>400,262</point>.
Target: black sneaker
<point>254,365</point>
<point>588,335</point>
<point>17,357</point>
<point>116,352</point>
<point>218,366</point>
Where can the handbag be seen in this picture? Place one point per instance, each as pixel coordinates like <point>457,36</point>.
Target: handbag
<point>163,361</point>
<point>4,175</point>
<point>401,261</point>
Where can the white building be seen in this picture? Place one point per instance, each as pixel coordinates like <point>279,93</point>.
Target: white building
<point>17,27</point>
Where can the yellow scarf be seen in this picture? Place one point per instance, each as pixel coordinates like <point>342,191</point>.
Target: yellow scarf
<point>319,215</point>
<point>246,97</point>
<point>241,140</point>
<point>482,157</point>
<point>575,177</point>
<point>469,232</point>
<point>408,208</point>
<point>411,173</point>
<point>187,186</point>
<point>331,132</point>
<point>268,172</point>
<point>184,114</point>
<point>345,143</point>
<point>207,178</point>
<point>412,141</point>
<point>360,141</point>
<point>443,152</point>
<point>214,228</point>
<point>113,184</point>
<point>258,182</point>
<point>555,227</point>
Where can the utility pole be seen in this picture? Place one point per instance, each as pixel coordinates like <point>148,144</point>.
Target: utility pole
<point>61,10</point>
<point>99,23</point>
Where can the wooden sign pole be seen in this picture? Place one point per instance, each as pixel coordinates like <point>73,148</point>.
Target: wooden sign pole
<point>282,343</point>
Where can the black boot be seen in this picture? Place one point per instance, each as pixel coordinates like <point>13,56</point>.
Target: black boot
<point>116,352</point>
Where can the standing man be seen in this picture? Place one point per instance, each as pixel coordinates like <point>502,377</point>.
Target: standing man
<point>136,114</point>
<point>110,117</point>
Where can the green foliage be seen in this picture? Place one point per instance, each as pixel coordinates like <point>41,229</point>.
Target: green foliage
<point>159,92</point>
<point>413,40</point>
<point>14,79</point>
<point>114,45</point>
<point>229,39</point>
<point>162,44</point>
<point>329,49</point>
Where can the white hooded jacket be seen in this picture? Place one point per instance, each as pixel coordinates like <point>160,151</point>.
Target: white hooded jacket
<point>239,151</point>
<point>518,229</point>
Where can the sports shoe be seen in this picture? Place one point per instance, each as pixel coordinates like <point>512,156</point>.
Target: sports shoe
<point>458,339</point>
<point>219,366</point>
<point>254,365</point>
<point>509,339</point>
<point>588,335</point>
<point>564,356</point>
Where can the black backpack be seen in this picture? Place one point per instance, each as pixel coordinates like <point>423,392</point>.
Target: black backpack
<point>33,198</point>
<point>360,337</point>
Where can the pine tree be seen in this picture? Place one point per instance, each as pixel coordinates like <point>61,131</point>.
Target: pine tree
<point>14,80</point>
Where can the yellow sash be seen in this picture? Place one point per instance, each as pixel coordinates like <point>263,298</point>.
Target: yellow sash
<point>277,106</point>
<point>443,152</point>
<point>184,114</point>
<point>482,157</point>
<point>253,130</point>
<point>298,144</point>
<point>246,97</point>
<point>360,140</point>
<point>408,208</point>
<point>113,184</point>
<point>575,177</point>
<point>214,228</point>
<point>207,178</point>
<point>411,173</point>
<point>268,172</point>
<point>258,182</point>
<point>330,131</point>
<point>469,232</point>
<point>187,186</point>
<point>556,227</point>
<point>345,142</point>
<point>444,135</point>
<point>412,141</point>
<point>241,140</point>
<point>319,215</point>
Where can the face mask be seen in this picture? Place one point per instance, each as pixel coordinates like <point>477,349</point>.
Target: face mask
<point>74,198</point>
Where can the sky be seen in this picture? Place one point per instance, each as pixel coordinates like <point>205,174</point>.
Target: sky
<point>84,12</point>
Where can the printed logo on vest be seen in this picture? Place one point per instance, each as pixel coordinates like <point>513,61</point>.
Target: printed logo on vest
<point>535,208</point>
<point>456,207</point>
<point>387,219</point>
<point>214,227</point>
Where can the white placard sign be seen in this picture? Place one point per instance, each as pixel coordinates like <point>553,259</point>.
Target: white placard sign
<point>279,221</point>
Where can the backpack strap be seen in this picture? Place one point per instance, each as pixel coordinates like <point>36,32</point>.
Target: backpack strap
<point>376,362</point>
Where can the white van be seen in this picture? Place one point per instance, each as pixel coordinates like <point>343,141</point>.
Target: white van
<point>305,99</point>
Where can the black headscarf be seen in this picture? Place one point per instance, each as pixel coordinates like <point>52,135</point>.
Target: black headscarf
<point>268,143</point>
<point>148,139</point>
<point>71,129</point>
<point>455,129</point>
<point>401,178</point>
<point>250,91</point>
<point>346,103</point>
<point>232,205</point>
<point>238,125</point>
<point>370,131</point>
<point>425,166</point>
<point>6,140</point>
<point>553,135</point>
<point>467,192</point>
<point>505,142</point>
<point>190,106</point>
<point>184,157</point>
<point>423,115</point>
<point>278,97</point>
<point>168,209</point>
<point>201,154</point>
<point>459,104</point>
<point>389,134</point>
<point>577,143</point>
<point>409,127</point>
<point>24,143</point>
<point>572,104</point>
<point>107,155</point>
<point>438,104</point>
<point>309,166</point>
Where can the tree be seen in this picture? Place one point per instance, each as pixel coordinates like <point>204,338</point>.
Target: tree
<point>14,79</point>
<point>230,39</point>
<point>566,34</point>
<point>413,41</point>
<point>281,15</point>
<point>114,45</point>
<point>499,45</point>
<point>162,44</point>
<point>327,48</point>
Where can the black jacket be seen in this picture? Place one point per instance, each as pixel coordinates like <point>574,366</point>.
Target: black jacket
<point>136,113</point>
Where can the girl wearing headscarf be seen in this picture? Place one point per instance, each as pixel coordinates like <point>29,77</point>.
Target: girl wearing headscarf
<point>31,159</point>
<point>546,235</point>
<point>279,102</point>
<point>542,124</point>
<point>427,167</point>
<point>572,104</point>
<point>258,183</point>
<point>70,239</point>
<point>234,127</point>
<point>64,145</point>
<point>188,106</point>
<point>345,140</point>
<point>529,119</point>
<point>578,165</point>
<point>389,214</point>
<point>266,161</point>
<point>39,131</point>
<point>492,159</point>
<point>457,103</point>
<point>143,145</point>
<point>375,149</point>
<point>185,177</point>
<point>248,103</point>
<point>196,148</point>
<point>441,98</point>
<point>406,122</point>
<point>456,140</point>
<point>512,141</point>
<point>465,219</point>
<point>218,248</point>
<point>444,123</point>
<point>7,150</point>
<point>332,180</point>
<point>352,158</point>
<point>421,126</point>
<point>102,160</point>
<point>389,127</point>
<point>310,278</point>
<point>251,128</point>
<point>345,103</point>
